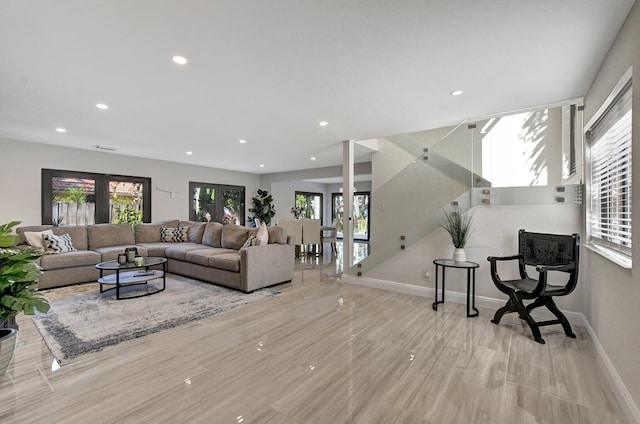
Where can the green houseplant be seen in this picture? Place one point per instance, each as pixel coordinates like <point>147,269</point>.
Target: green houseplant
<point>458,224</point>
<point>18,275</point>
<point>262,207</point>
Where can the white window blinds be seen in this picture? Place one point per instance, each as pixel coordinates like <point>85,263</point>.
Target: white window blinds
<point>609,140</point>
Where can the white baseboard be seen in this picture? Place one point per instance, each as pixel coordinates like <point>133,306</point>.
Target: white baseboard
<point>450,296</point>
<point>629,407</point>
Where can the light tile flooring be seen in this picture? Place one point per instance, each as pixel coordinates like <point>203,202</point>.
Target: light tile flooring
<point>322,352</point>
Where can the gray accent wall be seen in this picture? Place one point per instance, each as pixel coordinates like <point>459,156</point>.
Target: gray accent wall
<point>22,162</point>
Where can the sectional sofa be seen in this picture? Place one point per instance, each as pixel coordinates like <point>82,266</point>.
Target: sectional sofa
<point>210,252</point>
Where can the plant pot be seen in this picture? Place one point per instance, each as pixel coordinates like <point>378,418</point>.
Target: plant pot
<point>459,255</point>
<point>8,338</point>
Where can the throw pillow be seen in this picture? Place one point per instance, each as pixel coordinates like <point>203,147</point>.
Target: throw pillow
<point>34,238</point>
<point>57,244</point>
<point>173,235</point>
<point>250,242</point>
<point>262,238</point>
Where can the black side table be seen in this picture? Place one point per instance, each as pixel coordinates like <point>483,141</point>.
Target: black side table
<point>471,282</point>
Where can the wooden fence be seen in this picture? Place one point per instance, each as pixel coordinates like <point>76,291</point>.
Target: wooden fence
<point>69,213</point>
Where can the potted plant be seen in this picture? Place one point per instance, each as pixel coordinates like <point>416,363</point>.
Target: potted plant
<point>458,224</point>
<point>262,207</point>
<point>18,275</point>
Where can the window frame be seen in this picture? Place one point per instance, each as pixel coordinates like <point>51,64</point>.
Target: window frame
<point>218,201</point>
<point>101,192</point>
<point>616,252</point>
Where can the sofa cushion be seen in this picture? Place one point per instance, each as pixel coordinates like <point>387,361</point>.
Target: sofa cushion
<point>234,236</point>
<point>227,261</point>
<point>77,233</point>
<point>110,253</point>
<point>150,232</point>
<point>277,235</point>
<point>173,234</point>
<point>202,256</point>
<point>57,244</point>
<point>106,235</point>
<point>196,230</point>
<point>35,239</point>
<point>73,259</point>
<point>179,250</point>
<point>212,234</point>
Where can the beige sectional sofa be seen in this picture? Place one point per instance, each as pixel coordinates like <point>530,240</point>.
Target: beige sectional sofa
<point>213,252</point>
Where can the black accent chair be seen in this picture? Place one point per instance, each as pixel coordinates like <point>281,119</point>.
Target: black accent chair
<point>547,252</point>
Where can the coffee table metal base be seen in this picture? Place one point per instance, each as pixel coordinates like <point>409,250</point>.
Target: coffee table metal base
<point>132,278</point>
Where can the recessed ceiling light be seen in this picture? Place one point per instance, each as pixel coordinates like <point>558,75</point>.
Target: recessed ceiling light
<point>189,153</point>
<point>261,166</point>
<point>61,130</point>
<point>180,60</point>
<point>312,158</point>
<point>102,106</point>
<point>323,123</point>
<point>456,92</point>
<point>242,141</point>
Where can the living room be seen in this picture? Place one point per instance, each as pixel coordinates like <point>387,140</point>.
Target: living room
<point>605,298</point>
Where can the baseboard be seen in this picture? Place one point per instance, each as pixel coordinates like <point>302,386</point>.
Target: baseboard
<point>629,407</point>
<point>450,296</point>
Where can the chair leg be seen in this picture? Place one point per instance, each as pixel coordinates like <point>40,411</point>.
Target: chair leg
<point>551,305</point>
<point>515,305</point>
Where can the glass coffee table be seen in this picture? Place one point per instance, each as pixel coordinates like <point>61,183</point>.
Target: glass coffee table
<point>130,274</point>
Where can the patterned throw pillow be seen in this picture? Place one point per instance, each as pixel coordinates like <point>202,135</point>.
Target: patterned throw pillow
<point>57,244</point>
<point>173,235</point>
<point>250,242</point>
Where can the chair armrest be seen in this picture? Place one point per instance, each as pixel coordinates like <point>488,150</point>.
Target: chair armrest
<point>564,268</point>
<point>503,258</point>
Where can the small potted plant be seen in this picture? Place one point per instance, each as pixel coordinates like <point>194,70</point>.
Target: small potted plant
<point>18,277</point>
<point>458,224</point>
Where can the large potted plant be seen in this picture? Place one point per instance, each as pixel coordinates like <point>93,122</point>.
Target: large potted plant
<point>262,207</point>
<point>458,224</point>
<point>18,277</point>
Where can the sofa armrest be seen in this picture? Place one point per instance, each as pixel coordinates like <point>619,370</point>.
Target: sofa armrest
<point>262,266</point>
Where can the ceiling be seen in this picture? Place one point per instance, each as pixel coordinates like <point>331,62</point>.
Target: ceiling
<point>269,71</point>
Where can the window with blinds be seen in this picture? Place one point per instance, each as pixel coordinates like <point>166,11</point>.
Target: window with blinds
<point>609,142</point>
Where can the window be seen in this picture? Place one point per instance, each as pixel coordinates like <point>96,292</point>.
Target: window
<point>310,204</point>
<point>83,198</point>
<point>609,184</point>
<point>216,202</point>
<point>360,214</point>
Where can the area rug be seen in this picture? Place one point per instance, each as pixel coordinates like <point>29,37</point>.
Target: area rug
<point>82,324</point>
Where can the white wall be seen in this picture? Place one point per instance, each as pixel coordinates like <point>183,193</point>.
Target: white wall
<point>22,162</point>
<point>495,234</point>
<point>613,301</point>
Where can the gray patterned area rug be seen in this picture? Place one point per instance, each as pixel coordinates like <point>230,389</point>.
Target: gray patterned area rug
<point>89,322</point>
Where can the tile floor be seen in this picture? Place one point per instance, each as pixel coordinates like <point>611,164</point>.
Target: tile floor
<point>322,352</point>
